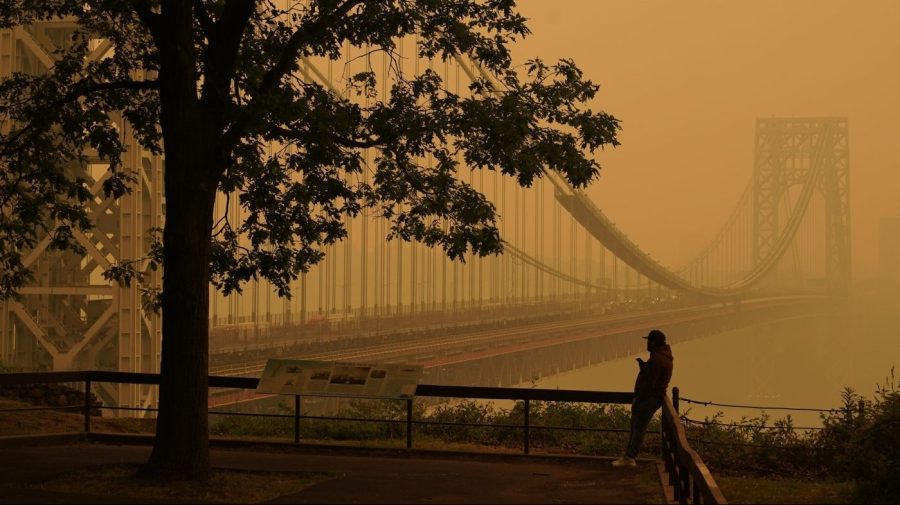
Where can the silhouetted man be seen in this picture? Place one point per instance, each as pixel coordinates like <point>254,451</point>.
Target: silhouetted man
<point>649,390</point>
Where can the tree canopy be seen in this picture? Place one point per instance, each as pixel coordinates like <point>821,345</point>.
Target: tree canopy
<point>244,60</point>
<point>213,84</point>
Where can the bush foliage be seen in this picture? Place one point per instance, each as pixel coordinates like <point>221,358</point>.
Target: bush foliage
<point>571,428</point>
<point>858,444</point>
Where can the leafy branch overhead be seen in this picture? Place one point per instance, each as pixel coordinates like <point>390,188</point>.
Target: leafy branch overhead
<point>291,147</point>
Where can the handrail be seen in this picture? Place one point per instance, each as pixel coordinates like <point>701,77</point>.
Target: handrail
<point>424,390</point>
<point>688,475</point>
<point>8,379</point>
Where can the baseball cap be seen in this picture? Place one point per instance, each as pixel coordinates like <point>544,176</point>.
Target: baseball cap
<point>656,336</point>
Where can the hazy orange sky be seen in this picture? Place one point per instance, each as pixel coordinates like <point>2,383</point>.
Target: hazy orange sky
<point>688,80</point>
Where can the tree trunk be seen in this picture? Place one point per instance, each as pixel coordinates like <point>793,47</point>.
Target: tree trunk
<point>181,447</point>
<point>192,141</point>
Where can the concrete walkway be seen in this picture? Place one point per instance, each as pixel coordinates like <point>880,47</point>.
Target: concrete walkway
<point>361,476</point>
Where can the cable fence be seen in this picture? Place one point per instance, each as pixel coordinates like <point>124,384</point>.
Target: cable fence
<point>756,407</point>
<point>768,445</point>
<point>749,425</point>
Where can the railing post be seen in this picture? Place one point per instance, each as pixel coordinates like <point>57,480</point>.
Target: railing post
<point>409,423</point>
<point>675,482</point>
<point>662,439</point>
<point>697,497</point>
<point>296,419</point>
<point>87,405</point>
<point>527,426</point>
<point>676,394</point>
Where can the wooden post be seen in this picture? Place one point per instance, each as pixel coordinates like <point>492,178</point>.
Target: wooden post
<point>662,438</point>
<point>87,406</point>
<point>296,419</point>
<point>861,408</point>
<point>527,426</point>
<point>675,482</point>
<point>676,394</point>
<point>409,423</point>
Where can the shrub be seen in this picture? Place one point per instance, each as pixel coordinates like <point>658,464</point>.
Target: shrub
<point>876,451</point>
<point>853,445</point>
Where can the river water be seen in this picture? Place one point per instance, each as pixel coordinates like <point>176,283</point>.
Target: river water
<point>802,362</point>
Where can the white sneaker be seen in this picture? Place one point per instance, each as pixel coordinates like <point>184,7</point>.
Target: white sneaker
<point>625,462</point>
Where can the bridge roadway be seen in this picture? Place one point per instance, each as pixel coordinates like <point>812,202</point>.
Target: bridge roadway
<point>473,358</point>
<point>251,337</point>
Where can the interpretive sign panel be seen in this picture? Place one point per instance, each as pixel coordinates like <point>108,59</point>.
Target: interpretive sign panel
<point>326,378</point>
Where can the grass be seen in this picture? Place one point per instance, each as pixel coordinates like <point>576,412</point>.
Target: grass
<point>225,486</point>
<point>41,422</point>
<point>36,422</point>
<point>781,490</point>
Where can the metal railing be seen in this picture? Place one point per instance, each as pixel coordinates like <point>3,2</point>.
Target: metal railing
<point>688,475</point>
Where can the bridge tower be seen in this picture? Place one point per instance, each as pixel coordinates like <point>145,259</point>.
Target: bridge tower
<point>70,317</point>
<point>794,151</point>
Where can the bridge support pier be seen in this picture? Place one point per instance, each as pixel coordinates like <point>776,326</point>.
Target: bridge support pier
<point>797,151</point>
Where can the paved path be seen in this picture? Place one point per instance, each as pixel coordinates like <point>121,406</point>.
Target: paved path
<point>362,477</point>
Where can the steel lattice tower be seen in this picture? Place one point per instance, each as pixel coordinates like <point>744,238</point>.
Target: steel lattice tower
<point>791,152</point>
<point>70,317</point>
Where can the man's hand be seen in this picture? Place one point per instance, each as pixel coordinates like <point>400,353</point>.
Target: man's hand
<point>640,362</point>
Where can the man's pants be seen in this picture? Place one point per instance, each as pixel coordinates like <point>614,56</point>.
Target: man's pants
<point>642,411</point>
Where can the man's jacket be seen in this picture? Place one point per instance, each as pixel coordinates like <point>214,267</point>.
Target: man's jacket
<point>653,379</point>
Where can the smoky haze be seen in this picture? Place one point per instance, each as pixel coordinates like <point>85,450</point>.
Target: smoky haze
<point>688,79</point>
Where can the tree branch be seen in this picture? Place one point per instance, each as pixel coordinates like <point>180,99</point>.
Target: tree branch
<point>148,17</point>
<point>75,95</point>
<point>224,41</point>
<point>303,36</point>
<point>105,86</point>
<point>364,143</point>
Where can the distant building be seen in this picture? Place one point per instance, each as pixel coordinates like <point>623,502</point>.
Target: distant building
<point>889,248</point>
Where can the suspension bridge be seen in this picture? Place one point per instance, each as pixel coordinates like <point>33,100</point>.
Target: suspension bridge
<point>569,281</point>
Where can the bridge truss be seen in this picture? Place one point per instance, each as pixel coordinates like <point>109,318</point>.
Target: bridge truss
<point>70,318</point>
<point>789,231</point>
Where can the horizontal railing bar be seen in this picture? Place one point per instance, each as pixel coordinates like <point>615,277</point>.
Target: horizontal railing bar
<point>130,409</point>
<point>123,377</point>
<point>753,446</point>
<point>349,419</point>
<point>218,381</point>
<point>355,419</point>
<point>32,409</point>
<point>598,430</point>
<point>424,390</point>
<point>495,393</point>
<point>249,414</point>
<point>17,378</point>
